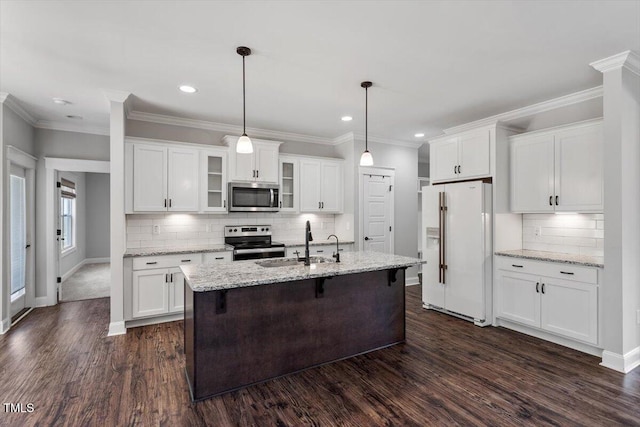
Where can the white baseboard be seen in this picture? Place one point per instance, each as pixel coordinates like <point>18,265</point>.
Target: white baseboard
<point>42,302</point>
<point>621,362</point>
<point>116,328</point>
<point>410,281</point>
<point>97,260</point>
<point>155,320</point>
<point>4,325</point>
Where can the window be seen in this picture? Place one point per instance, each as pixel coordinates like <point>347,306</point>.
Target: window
<point>67,215</point>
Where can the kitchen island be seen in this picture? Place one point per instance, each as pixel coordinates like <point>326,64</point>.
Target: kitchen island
<point>247,322</point>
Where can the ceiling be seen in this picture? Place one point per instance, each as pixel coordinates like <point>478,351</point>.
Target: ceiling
<point>433,64</point>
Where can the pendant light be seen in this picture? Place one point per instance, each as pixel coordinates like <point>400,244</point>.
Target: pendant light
<point>366,159</point>
<point>244,144</point>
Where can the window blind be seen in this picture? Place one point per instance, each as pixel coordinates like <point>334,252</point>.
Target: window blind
<point>68,188</point>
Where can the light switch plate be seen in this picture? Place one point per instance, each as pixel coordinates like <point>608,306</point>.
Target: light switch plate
<point>156,229</point>
<point>538,231</point>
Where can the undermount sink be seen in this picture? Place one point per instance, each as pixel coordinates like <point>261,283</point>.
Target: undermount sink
<point>287,262</point>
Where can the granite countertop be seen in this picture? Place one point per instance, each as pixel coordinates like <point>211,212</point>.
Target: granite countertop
<point>175,250</point>
<point>588,261</point>
<point>212,277</point>
<point>318,242</point>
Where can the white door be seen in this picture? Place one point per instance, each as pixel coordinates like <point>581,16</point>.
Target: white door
<point>266,163</point>
<point>310,174</point>
<point>377,213</point>
<point>149,178</point>
<point>518,298</point>
<point>578,169</point>
<point>464,249</point>
<point>473,155</point>
<point>213,184</point>
<point>150,292</point>
<point>183,180</point>
<point>18,238</point>
<point>532,170</point>
<point>432,287</point>
<point>242,165</point>
<point>331,188</point>
<point>176,290</point>
<point>570,309</point>
<point>444,160</point>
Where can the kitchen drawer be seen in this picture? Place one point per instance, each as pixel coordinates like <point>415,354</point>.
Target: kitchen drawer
<point>213,257</point>
<point>166,261</point>
<point>557,270</point>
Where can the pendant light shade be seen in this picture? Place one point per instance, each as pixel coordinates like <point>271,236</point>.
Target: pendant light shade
<point>366,159</point>
<point>244,144</point>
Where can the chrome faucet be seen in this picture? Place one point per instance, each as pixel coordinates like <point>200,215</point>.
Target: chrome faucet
<point>336,255</point>
<point>307,238</point>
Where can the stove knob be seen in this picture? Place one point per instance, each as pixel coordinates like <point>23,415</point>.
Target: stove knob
<point>262,229</point>
<point>266,229</point>
<point>235,229</point>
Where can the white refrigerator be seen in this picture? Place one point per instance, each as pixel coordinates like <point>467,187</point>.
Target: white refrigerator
<point>456,243</point>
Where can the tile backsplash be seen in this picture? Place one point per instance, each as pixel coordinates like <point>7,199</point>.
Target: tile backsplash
<point>580,234</point>
<point>196,229</point>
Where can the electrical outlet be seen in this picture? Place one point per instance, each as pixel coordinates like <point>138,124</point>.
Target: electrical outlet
<point>156,229</point>
<point>538,231</point>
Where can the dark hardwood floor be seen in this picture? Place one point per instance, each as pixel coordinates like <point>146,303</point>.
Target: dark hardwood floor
<point>449,372</point>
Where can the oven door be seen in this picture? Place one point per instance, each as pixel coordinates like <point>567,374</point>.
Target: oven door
<point>257,253</point>
<point>253,197</point>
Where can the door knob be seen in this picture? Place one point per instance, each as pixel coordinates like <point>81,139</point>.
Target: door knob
<point>366,238</point>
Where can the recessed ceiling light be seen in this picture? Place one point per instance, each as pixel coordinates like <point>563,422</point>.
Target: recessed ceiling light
<point>71,116</point>
<point>347,118</point>
<point>419,135</point>
<point>61,101</point>
<point>188,89</point>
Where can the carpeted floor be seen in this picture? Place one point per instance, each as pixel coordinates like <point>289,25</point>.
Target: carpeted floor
<point>90,281</point>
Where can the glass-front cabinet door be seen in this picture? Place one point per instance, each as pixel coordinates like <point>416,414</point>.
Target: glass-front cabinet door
<point>289,184</point>
<point>214,181</point>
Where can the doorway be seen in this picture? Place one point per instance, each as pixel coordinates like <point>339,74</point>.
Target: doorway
<point>377,209</point>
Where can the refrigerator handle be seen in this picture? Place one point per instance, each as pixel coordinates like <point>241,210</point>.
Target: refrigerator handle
<point>440,237</point>
<point>444,237</point>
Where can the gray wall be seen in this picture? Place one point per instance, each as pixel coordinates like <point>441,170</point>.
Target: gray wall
<point>17,132</point>
<point>423,169</point>
<point>75,257</point>
<point>150,130</point>
<point>98,224</point>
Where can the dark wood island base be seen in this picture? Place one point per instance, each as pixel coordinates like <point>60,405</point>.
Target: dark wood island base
<point>246,335</point>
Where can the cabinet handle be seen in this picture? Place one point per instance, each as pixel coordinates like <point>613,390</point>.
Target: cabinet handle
<point>340,250</point>
<point>219,257</point>
<point>280,204</point>
<point>319,251</point>
<point>171,277</point>
<point>542,288</point>
<point>152,263</point>
<point>537,287</point>
<point>550,200</point>
<point>169,202</point>
<point>165,203</point>
<point>455,169</point>
<point>224,203</point>
<point>556,200</point>
<point>322,205</point>
<point>514,265</point>
<point>257,173</point>
<point>567,272</point>
<point>459,169</point>
<point>318,205</point>
<point>185,260</point>
<point>166,277</point>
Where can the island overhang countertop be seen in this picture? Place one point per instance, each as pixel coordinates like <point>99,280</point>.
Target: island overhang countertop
<point>237,274</point>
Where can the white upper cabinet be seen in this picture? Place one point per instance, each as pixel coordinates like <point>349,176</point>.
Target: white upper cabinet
<point>260,166</point>
<point>558,170</point>
<point>321,185</point>
<point>164,179</point>
<point>289,184</point>
<point>213,184</point>
<point>461,157</point>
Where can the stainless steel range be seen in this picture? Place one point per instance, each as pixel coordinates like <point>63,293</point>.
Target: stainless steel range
<point>252,242</point>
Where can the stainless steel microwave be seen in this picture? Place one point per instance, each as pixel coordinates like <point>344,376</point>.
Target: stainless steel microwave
<point>253,197</point>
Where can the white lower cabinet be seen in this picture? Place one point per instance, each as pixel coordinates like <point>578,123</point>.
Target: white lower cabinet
<point>156,284</point>
<point>557,298</point>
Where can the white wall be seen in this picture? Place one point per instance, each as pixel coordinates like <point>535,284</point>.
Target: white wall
<point>74,257</point>
<point>98,224</point>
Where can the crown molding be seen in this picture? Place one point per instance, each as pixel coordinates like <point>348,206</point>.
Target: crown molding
<point>541,107</point>
<point>627,59</point>
<point>347,137</point>
<point>12,103</point>
<point>388,141</point>
<point>68,127</point>
<point>116,95</point>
